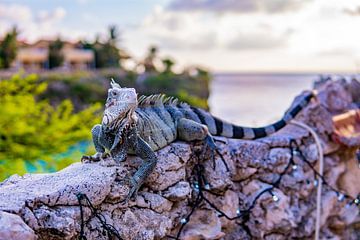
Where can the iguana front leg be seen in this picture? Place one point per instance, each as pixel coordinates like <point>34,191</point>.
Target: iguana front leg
<point>144,151</point>
<point>96,133</point>
<point>190,130</point>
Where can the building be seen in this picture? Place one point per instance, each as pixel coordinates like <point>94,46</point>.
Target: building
<point>78,58</point>
<point>32,58</point>
<point>35,56</point>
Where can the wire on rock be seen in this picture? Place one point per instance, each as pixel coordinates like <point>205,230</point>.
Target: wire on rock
<point>201,186</point>
<point>110,229</point>
<point>321,171</point>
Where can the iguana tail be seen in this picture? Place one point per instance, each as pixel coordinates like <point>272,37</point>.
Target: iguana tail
<point>219,127</point>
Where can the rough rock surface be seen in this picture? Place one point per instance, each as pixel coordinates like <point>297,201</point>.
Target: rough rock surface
<point>45,206</point>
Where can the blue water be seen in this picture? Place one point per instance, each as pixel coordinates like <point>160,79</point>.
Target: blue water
<point>44,166</point>
<point>255,99</point>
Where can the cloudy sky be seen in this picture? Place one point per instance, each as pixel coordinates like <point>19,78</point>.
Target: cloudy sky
<point>223,35</point>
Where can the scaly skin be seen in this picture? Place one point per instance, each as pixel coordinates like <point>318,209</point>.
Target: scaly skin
<point>142,126</point>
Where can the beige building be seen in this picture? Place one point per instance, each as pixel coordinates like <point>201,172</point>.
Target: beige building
<point>78,58</point>
<point>35,56</point>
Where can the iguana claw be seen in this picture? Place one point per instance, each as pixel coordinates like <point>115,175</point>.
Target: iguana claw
<point>209,143</point>
<point>133,190</point>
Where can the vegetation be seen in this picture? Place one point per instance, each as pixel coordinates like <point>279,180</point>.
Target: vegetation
<point>168,63</point>
<point>42,130</point>
<point>56,57</point>
<point>149,61</point>
<point>106,53</point>
<point>187,88</point>
<point>191,85</point>
<point>8,48</point>
<point>87,88</point>
<point>33,133</point>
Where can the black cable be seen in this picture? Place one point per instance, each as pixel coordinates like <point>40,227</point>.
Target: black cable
<point>201,183</point>
<point>110,229</point>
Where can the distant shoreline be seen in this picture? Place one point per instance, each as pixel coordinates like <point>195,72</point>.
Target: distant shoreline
<point>282,73</point>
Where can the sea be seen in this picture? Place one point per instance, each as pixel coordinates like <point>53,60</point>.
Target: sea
<point>254,100</point>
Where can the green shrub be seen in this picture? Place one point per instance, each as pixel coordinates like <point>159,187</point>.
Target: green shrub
<point>86,88</point>
<point>183,96</point>
<point>191,89</point>
<point>33,133</point>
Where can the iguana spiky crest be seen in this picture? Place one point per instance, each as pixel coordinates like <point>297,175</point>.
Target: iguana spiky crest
<point>156,100</point>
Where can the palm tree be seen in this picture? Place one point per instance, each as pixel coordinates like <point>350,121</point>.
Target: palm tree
<point>169,63</point>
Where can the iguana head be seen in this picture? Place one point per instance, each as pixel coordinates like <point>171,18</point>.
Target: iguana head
<point>120,107</point>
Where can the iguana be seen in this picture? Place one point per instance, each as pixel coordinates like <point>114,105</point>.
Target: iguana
<point>143,125</point>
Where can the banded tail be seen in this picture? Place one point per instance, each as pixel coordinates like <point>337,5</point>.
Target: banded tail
<point>219,127</point>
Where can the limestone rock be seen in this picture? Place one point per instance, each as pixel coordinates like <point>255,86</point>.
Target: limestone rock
<point>204,224</point>
<point>46,206</point>
<point>335,97</point>
<point>179,191</point>
<point>12,227</point>
<point>156,202</point>
<point>170,167</point>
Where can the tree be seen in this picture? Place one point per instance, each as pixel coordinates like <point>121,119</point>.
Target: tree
<point>56,57</point>
<point>110,50</point>
<point>149,61</point>
<point>106,53</point>
<point>110,55</point>
<point>34,133</point>
<point>168,63</point>
<point>8,48</point>
<point>113,34</point>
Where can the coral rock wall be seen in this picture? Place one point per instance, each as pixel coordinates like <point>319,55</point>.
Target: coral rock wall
<point>46,206</point>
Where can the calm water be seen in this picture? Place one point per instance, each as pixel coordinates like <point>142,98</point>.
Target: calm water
<point>255,99</point>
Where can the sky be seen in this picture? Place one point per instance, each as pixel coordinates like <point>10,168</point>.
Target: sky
<point>319,36</point>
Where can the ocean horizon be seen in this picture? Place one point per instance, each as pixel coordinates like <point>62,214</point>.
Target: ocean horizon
<point>256,99</point>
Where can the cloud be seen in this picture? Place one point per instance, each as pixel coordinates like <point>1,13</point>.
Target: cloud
<point>201,31</point>
<point>203,41</point>
<point>83,1</point>
<point>309,35</point>
<point>213,5</point>
<point>341,51</point>
<point>239,6</point>
<point>56,15</point>
<point>218,33</point>
<point>352,12</point>
<point>177,30</point>
<point>34,25</point>
<point>15,12</point>
<point>260,40</point>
